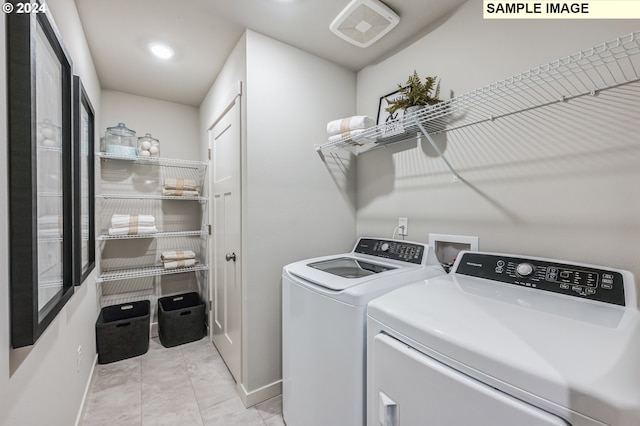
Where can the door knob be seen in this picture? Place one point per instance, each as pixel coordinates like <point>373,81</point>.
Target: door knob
<point>230,256</point>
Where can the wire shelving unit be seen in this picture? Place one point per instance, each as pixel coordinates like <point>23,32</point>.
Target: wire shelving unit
<point>604,66</point>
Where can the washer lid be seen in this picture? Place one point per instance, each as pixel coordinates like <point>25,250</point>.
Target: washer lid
<point>337,273</point>
<point>349,267</point>
<point>576,353</point>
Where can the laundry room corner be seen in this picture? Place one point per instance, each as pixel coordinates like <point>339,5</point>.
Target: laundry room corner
<point>552,180</point>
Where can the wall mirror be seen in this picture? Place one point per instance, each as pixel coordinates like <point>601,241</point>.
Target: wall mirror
<point>83,183</point>
<point>40,174</point>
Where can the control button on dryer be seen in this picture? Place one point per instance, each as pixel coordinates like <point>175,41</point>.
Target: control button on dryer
<point>384,246</point>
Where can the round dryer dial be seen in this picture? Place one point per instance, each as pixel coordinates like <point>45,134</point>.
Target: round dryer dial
<point>524,269</point>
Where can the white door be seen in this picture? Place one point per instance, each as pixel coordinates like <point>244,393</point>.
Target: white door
<point>225,284</point>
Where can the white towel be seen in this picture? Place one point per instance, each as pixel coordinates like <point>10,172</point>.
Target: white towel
<point>185,184</point>
<point>170,256</point>
<point>49,233</point>
<point>180,193</point>
<point>348,124</point>
<point>53,220</point>
<point>130,220</point>
<point>140,230</point>
<point>179,264</point>
<point>354,137</point>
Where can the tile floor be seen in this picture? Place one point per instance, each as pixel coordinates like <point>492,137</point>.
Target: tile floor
<point>184,385</point>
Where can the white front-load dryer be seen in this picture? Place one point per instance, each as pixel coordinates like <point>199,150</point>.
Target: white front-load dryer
<point>323,325</point>
<point>507,340</point>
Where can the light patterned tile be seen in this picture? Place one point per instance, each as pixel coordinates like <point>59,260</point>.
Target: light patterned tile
<point>170,401</point>
<point>120,373</point>
<point>275,421</point>
<point>231,412</point>
<point>119,405</point>
<point>269,408</point>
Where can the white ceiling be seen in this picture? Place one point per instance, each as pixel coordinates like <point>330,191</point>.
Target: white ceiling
<point>203,33</point>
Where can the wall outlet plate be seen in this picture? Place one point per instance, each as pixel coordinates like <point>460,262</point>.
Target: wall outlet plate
<point>403,226</point>
<point>446,246</point>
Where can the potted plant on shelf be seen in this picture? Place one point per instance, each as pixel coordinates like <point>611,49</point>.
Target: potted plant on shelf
<point>415,94</point>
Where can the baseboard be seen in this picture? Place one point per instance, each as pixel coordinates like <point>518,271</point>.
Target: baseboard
<point>257,396</point>
<point>83,404</point>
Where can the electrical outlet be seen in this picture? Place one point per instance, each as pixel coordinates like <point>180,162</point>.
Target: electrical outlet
<point>403,226</point>
<point>79,359</point>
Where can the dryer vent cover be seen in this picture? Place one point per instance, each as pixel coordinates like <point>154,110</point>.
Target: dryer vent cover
<point>363,22</point>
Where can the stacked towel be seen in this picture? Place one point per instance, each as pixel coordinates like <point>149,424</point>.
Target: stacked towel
<point>50,226</point>
<point>180,187</point>
<point>180,192</point>
<point>354,129</point>
<point>132,224</point>
<point>344,125</point>
<point>178,259</point>
<point>173,183</point>
<point>355,137</point>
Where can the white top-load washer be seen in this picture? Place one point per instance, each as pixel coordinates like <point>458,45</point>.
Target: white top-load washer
<point>324,320</point>
<point>507,340</point>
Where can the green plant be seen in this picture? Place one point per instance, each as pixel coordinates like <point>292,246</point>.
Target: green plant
<point>416,93</point>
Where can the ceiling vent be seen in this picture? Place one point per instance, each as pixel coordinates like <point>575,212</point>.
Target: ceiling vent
<point>363,22</point>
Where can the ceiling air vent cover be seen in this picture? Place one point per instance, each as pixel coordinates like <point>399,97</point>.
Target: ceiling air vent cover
<point>363,22</point>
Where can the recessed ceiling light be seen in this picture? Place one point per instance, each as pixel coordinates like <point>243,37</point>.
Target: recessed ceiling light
<point>162,51</point>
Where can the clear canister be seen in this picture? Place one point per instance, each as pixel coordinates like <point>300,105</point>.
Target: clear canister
<point>120,140</point>
<point>148,146</point>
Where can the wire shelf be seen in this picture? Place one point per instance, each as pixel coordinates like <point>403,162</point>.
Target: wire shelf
<point>604,66</point>
<point>146,272</point>
<point>198,233</point>
<point>150,197</point>
<point>159,161</point>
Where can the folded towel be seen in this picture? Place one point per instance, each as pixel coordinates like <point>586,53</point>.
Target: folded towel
<point>49,233</point>
<point>179,264</point>
<point>354,137</point>
<point>345,125</point>
<point>131,220</point>
<point>187,184</point>
<point>53,220</point>
<point>169,256</point>
<point>138,230</point>
<point>180,193</point>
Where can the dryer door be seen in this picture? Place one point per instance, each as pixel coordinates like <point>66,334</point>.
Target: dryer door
<point>410,388</point>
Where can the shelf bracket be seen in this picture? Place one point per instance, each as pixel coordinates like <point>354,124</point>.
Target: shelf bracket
<point>456,176</point>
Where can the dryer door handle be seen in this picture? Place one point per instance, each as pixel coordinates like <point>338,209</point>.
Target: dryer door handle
<point>387,410</point>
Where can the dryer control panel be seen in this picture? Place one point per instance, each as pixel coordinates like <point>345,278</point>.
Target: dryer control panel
<point>572,280</point>
<point>391,249</point>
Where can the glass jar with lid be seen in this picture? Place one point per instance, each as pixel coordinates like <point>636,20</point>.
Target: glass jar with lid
<point>120,140</point>
<point>148,146</point>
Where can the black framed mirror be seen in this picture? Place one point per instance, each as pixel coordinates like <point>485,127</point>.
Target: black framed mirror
<point>83,183</point>
<point>40,174</point>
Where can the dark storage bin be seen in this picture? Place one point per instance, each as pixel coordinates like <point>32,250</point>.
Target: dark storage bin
<point>122,331</point>
<point>181,319</point>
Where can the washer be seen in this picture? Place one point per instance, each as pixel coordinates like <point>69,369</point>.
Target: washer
<point>507,340</point>
<point>324,320</point>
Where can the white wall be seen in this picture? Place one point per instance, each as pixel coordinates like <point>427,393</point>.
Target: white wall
<point>39,384</point>
<point>174,125</point>
<point>555,182</point>
<point>295,205</point>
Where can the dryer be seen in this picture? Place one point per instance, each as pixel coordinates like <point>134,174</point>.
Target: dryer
<point>507,340</point>
<point>324,320</point>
